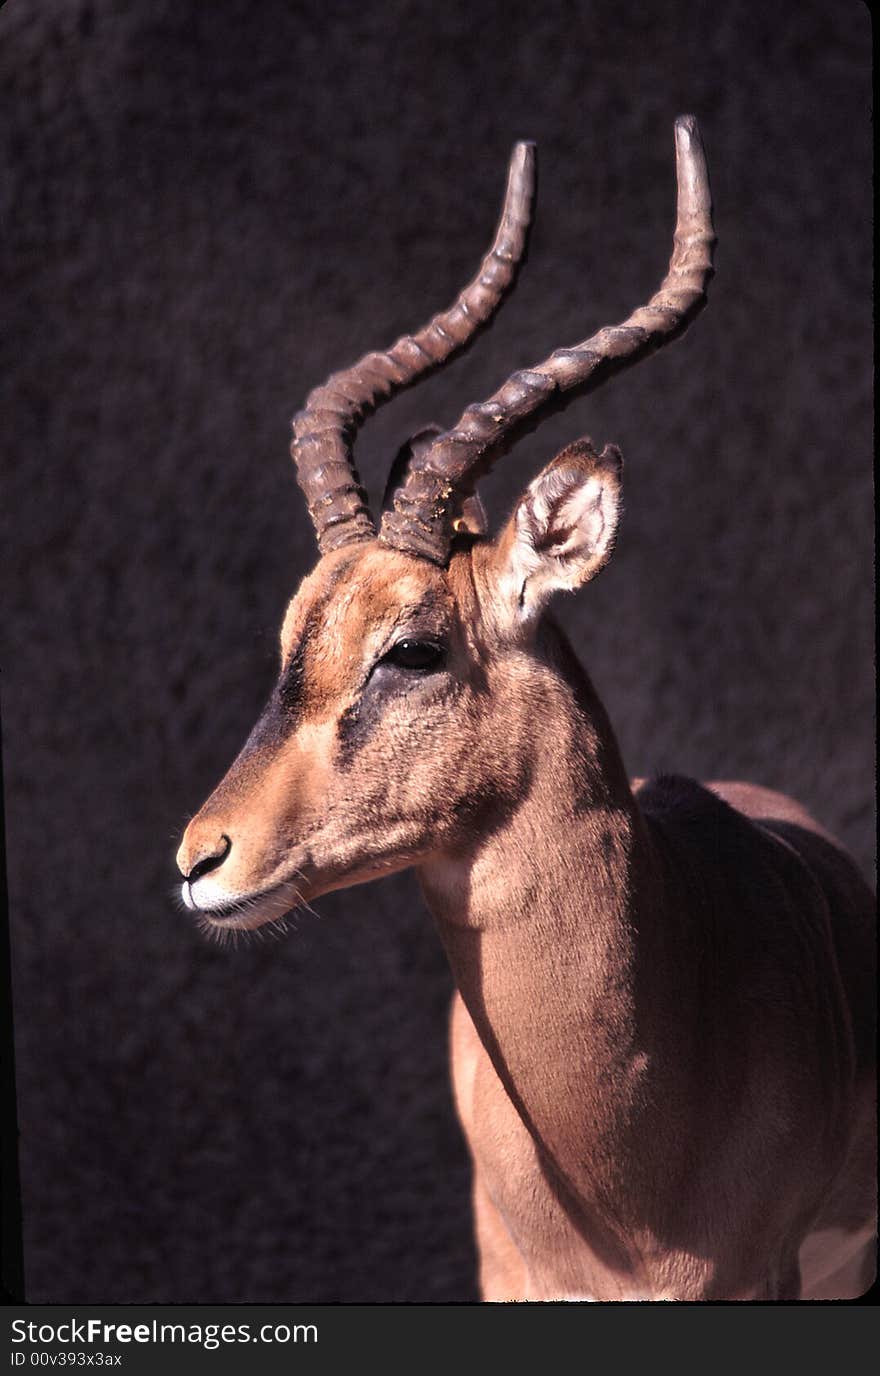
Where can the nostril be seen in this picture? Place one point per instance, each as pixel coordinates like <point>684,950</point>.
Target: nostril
<point>210,862</point>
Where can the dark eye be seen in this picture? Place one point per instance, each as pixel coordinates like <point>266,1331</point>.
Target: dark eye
<point>419,656</point>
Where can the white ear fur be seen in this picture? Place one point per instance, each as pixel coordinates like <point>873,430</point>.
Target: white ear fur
<point>562,531</point>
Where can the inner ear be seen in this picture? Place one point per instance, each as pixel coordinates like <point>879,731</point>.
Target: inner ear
<point>562,531</point>
<point>470,517</point>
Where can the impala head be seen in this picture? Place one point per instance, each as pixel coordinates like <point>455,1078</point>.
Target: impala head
<point>400,719</point>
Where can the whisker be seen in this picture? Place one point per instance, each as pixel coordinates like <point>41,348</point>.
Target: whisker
<point>252,917</point>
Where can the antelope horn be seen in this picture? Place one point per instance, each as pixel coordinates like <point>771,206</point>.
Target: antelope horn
<point>420,521</point>
<point>323,431</point>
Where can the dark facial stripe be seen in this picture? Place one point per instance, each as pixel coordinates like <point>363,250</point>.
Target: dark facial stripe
<point>359,722</point>
<point>290,687</point>
<point>269,731</point>
<point>355,727</point>
<point>283,712</point>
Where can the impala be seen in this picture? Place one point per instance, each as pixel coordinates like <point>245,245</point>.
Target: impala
<point>661,1038</point>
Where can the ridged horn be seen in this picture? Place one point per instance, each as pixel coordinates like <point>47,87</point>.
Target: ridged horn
<point>420,521</point>
<point>323,431</point>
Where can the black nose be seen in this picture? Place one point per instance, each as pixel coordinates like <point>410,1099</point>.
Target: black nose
<point>210,862</point>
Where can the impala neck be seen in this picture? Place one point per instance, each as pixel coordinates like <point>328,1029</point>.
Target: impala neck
<point>549,934</point>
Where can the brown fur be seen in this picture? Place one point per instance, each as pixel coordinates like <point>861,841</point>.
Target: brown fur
<point>662,1044</point>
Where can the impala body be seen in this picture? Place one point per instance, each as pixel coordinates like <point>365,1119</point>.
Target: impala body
<point>662,1037</point>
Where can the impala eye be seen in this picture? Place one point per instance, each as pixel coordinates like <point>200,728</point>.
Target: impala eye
<point>418,656</point>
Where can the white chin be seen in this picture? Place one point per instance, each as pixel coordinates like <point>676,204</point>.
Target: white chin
<point>241,914</point>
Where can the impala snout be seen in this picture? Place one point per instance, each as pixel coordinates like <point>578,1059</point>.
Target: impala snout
<point>235,857</point>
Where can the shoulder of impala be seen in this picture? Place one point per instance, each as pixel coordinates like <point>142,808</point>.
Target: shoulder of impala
<point>662,1044</point>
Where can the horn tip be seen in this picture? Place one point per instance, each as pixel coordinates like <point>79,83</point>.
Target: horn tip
<point>695,196</point>
<point>687,133</point>
<point>523,153</point>
<point>687,124</point>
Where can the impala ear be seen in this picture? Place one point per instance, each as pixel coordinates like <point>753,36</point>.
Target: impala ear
<point>562,531</point>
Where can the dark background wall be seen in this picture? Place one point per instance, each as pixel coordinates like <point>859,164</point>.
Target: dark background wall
<point>207,207</point>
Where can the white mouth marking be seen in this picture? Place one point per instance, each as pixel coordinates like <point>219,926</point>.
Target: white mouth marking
<point>217,908</point>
